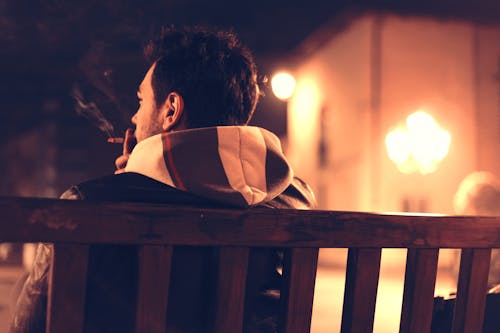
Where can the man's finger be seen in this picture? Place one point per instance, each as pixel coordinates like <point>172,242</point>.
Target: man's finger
<point>129,142</point>
<point>121,162</point>
<point>117,172</point>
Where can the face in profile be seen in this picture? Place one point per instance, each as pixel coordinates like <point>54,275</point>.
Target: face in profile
<point>148,118</point>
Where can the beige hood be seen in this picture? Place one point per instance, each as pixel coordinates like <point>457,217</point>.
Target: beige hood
<point>240,165</point>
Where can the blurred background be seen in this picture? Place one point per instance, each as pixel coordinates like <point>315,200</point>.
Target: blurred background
<point>387,106</point>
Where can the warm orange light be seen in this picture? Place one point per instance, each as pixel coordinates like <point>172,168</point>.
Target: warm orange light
<point>283,85</point>
<point>419,146</point>
<point>398,145</point>
<point>303,121</point>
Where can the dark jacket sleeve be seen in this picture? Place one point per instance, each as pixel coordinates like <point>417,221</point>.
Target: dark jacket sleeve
<point>31,306</point>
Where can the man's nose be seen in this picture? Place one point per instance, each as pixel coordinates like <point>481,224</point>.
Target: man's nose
<point>134,119</point>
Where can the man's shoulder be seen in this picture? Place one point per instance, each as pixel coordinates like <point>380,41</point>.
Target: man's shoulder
<point>131,187</point>
<point>134,187</point>
<point>298,195</point>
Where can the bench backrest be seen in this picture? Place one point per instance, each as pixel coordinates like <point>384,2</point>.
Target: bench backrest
<point>74,226</point>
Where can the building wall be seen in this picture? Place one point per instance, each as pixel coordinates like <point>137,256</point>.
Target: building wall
<point>428,65</point>
<point>365,81</point>
<point>487,63</point>
<point>332,105</point>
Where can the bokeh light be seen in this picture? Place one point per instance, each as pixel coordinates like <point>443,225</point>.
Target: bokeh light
<point>419,146</point>
<point>283,85</point>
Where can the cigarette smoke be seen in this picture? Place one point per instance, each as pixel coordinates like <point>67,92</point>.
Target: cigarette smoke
<point>90,111</point>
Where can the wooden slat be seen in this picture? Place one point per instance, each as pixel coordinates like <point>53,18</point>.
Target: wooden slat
<point>418,297</point>
<point>97,222</point>
<point>67,285</point>
<point>297,293</point>
<point>363,268</point>
<point>303,232</point>
<point>154,277</point>
<point>230,290</point>
<point>471,294</point>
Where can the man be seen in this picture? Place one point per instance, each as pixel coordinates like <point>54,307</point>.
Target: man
<point>194,148</point>
<point>479,194</point>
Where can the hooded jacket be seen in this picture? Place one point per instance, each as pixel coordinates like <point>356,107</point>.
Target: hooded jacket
<point>241,166</point>
<point>227,166</point>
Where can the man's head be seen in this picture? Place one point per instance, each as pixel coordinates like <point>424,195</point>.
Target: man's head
<point>478,194</point>
<point>198,78</point>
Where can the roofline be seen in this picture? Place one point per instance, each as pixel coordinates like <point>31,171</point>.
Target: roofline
<point>346,17</point>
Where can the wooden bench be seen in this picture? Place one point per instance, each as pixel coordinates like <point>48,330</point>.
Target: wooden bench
<point>73,226</point>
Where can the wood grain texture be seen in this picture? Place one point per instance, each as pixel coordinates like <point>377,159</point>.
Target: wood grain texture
<point>471,294</point>
<point>33,220</point>
<point>418,297</point>
<point>67,285</point>
<point>360,295</point>
<point>230,289</point>
<point>158,227</point>
<point>154,276</point>
<point>297,293</point>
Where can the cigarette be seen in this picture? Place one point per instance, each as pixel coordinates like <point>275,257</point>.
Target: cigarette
<point>116,140</point>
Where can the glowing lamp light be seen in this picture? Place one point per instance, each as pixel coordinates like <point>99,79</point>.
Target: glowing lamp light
<point>419,146</point>
<point>283,85</point>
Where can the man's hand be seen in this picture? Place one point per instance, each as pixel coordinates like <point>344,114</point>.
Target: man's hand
<point>128,144</point>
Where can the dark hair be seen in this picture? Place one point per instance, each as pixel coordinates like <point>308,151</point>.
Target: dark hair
<point>211,70</point>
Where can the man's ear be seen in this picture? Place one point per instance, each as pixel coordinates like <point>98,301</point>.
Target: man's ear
<point>173,111</point>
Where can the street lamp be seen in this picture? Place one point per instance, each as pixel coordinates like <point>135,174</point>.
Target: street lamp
<point>419,145</point>
<point>283,85</point>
